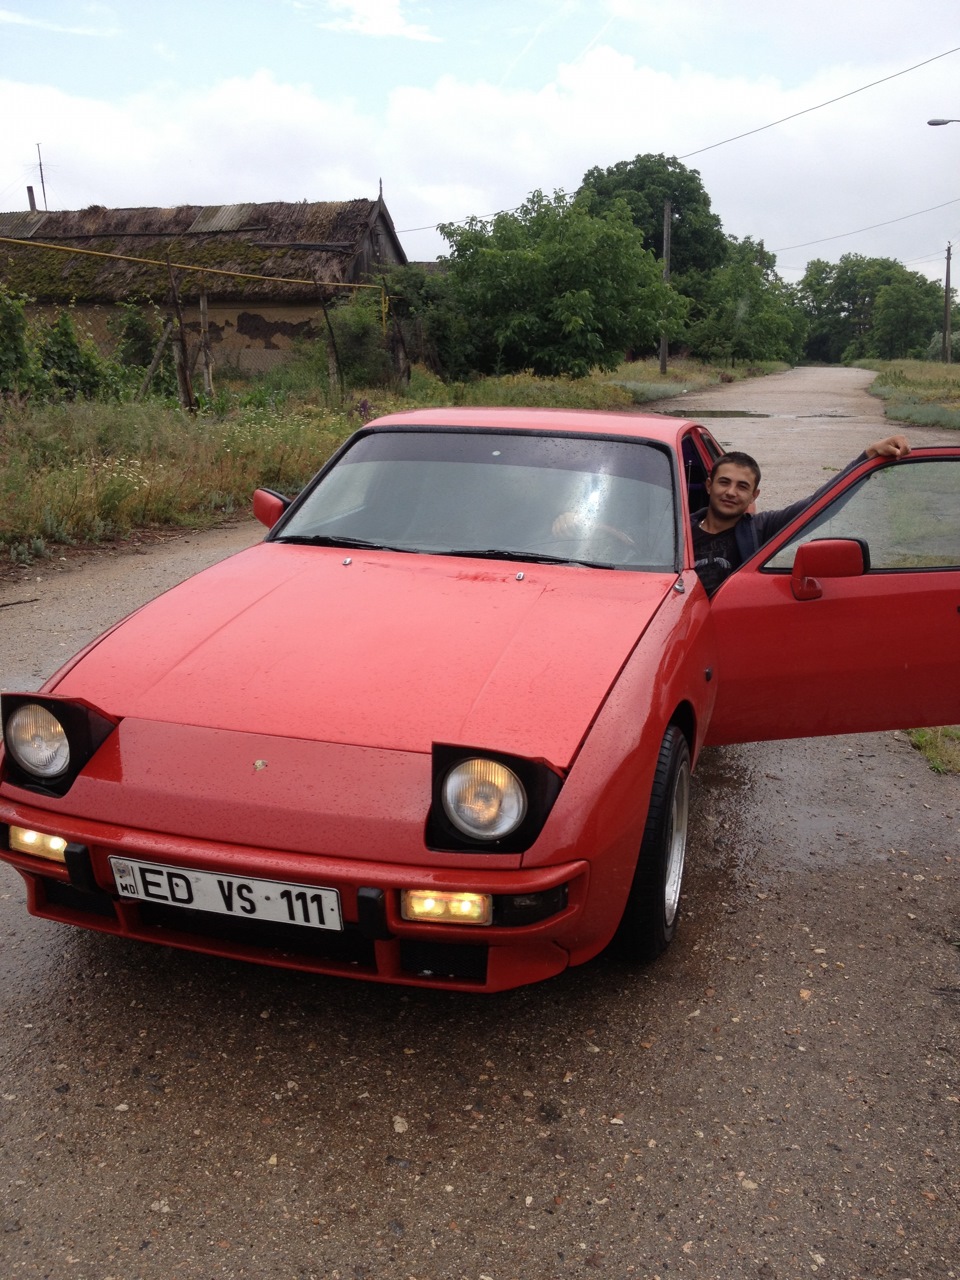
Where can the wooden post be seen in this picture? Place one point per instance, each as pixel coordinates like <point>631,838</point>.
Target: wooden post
<point>333,355</point>
<point>180,349</point>
<point>947,336</point>
<point>155,362</point>
<point>205,345</point>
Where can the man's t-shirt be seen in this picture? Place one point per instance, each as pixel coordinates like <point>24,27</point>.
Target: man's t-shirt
<point>715,555</point>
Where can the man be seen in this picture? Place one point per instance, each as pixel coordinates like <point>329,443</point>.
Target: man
<point>726,533</point>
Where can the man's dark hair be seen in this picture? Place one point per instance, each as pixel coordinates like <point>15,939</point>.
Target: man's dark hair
<point>739,460</point>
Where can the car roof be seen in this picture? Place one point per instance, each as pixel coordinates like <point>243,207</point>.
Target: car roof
<point>651,426</point>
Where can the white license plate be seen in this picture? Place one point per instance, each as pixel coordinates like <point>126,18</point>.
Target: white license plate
<point>240,896</point>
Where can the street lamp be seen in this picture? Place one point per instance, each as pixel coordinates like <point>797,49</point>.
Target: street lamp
<point>947,340</point>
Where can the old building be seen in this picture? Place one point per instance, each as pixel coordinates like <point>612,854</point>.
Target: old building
<point>308,252</point>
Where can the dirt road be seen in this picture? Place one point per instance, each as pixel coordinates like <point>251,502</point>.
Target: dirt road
<point>778,1097</point>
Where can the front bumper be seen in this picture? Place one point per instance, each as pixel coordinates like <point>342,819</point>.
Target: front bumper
<point>375,944</point>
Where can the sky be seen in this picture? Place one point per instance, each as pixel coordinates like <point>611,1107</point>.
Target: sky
<point>464,107</point>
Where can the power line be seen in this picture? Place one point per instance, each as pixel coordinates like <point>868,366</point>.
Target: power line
<point>935,256</point>
<point>736,138</point>
<point>830,101</point>
<point>806,244</point>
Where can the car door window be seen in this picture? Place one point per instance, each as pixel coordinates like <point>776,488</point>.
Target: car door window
<point>908,515</point>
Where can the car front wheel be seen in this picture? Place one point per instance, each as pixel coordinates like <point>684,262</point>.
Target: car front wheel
<point>650,917</point>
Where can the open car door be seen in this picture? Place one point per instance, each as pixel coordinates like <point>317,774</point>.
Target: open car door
<point>849,619</point>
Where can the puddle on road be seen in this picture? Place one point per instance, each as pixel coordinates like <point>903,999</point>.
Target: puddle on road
<point>761,808</point>
<point>714,413</point>
<point>693,412</point>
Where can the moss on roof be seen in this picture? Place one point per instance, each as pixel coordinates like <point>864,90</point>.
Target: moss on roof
<point>275,240</point>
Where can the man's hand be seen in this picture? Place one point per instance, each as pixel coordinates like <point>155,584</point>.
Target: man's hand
<point>892,447</point>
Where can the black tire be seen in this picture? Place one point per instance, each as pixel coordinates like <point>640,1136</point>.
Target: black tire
<point>650,917</point>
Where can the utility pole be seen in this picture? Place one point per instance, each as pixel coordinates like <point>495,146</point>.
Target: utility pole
<point>667,224</point>
<point>947,337</point>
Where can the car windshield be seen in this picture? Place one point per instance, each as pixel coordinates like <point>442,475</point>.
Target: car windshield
<point>498,495</point>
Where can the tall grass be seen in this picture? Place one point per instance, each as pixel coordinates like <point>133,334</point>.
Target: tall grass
<point>921,392</point>
<point>645,383</point>
<point>83,471</point>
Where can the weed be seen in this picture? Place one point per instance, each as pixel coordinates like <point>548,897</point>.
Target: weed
<point>645,383</point>
<point>924,393</point>
<point>939,747</point>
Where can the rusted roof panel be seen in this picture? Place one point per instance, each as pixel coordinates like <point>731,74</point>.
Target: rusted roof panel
<point>224,217</point>
<point>21,225</point>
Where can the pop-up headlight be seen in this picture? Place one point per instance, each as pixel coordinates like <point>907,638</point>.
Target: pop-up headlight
<point>48,741</point>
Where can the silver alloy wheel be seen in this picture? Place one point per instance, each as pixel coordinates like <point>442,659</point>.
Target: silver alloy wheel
<point>676,844</point>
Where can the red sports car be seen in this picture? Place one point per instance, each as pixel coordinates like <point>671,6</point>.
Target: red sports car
<point>438,727</point>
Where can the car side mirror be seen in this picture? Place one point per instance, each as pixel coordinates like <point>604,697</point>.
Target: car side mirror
<point>269,506</point>
<point>827,558</point>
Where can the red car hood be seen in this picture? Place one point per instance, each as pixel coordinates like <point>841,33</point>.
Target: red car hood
<point>377,649</point>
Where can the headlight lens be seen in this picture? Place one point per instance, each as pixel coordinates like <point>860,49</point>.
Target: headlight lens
<point>37,741</point>
<point>484,799</point>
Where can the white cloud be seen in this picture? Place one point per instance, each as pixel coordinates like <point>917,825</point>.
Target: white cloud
<point>374,18</point>
<point>8,17</point>
<point>459,147</point>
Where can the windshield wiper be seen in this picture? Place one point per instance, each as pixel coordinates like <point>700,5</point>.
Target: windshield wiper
<point>336,540</point>
<point>533,557</point>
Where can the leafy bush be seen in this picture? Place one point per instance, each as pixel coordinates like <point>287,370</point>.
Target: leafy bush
<point>70,367</point>
<point>437,333</point>
<point>137,330</point>
<point>14,354</point>
<point>361,342</point>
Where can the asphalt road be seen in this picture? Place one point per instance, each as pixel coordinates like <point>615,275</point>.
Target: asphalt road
<point>778,1096</point>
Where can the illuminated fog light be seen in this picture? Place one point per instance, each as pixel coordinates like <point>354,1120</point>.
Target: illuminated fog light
<point>23,840</point>
<point>441,906</point>
<point>37,741</point>
<point>484,799</point>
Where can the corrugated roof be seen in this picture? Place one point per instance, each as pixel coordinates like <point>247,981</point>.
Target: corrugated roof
<point>22,225</point>
<point>224,217</point>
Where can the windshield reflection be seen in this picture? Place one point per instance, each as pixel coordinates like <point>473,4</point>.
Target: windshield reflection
<point>577,499</point>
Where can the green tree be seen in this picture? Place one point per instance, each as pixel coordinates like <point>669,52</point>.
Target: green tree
<point>827,332</point>
<point>697,242</point>
<point>558,289</point>
<point>867,307</point>
<point>747,311</point>
<point>905,315</point>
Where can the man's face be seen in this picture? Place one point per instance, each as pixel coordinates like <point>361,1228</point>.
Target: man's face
<point>731,491</point>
